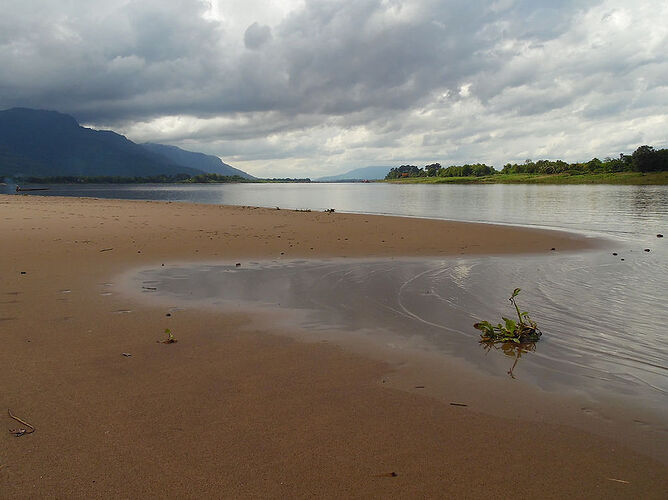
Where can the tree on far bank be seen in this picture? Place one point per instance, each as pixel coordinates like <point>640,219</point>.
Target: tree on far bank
<point>432,170</point>
<point>647,159</point>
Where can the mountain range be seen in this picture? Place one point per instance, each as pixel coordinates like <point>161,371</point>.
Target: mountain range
<point>41,143</point>
<point>358,174</point>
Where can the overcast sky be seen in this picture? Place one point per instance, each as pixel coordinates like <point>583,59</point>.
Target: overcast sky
<point>316,87</point>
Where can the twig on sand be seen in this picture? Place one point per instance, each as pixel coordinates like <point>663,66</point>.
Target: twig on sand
<point>20,432</point>
<point>617,480</point>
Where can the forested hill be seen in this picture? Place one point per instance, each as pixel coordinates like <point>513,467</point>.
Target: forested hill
<point>47,143</point>
<point>42,143</point>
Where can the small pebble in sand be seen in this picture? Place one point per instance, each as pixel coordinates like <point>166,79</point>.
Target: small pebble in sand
<point>647,250</point>
<point>659,235</point>
<point>552,249</point>
<point>614,253</point>
<point>238,264</point>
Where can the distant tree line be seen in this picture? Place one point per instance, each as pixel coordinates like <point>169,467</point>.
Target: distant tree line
<point>436,170</point>
<point>100,179</point>
<point>155,179</point>
<point>215,179</point>
<point>643,159</point>
<point>286,179</point>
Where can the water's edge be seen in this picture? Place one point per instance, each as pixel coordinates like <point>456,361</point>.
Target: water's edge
<point>417,313</point>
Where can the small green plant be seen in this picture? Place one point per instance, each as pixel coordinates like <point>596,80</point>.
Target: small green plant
<point>522,331</point>
<point>170,338</point>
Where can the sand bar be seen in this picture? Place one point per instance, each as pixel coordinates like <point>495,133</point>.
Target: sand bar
<point>229,410</point>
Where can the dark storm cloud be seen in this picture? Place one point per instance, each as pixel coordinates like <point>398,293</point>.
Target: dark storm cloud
<point>143,59</point>
<point>363,74</point>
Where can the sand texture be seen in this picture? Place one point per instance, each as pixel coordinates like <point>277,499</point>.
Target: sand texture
<point>231,411</point>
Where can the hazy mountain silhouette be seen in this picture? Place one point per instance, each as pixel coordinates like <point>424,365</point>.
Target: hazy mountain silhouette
<point>364,173</point>
<point>208,163</point>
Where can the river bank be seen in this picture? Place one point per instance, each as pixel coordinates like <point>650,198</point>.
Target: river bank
<point>231,410</point>
<point>617,178</point>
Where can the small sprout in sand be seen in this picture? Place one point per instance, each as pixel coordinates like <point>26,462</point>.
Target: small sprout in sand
<point>170,338</point>
<point>522,331</point>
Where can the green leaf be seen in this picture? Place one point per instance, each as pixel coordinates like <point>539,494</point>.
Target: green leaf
<point>516,292</point>
<point>485,327</point>
<point>511,326</point>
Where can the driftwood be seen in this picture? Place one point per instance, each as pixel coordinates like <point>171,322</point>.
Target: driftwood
<point>20,432</point>
<point>19,189</point>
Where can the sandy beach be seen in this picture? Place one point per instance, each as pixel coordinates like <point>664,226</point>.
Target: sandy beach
<point>233,411</point>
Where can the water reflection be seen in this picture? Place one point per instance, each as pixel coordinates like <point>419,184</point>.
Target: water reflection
<point>602,328</point>
<point>510,349</point>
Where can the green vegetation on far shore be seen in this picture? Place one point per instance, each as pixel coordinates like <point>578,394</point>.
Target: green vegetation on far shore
<point>156,179</point>
<point>645,166</point>
<point>624,178</point>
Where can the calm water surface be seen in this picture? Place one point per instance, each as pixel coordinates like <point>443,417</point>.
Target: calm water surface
<point>625,211</point>
<point>604,319</point>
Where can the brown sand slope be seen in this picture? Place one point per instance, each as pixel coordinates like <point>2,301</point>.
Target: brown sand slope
<point>229,411</point>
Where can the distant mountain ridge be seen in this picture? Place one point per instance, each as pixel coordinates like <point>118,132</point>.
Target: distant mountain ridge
<point>42,143</point>
<point>207,163</point>
<point>364,173</point>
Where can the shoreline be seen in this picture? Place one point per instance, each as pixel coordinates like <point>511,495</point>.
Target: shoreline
<point>581,179</point>
<point>231,409</point>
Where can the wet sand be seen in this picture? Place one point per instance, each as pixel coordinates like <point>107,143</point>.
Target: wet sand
<point>231,410</point>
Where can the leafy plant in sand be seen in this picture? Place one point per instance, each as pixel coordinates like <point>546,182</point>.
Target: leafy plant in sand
<point>170,338</point>
<point>522,331</point>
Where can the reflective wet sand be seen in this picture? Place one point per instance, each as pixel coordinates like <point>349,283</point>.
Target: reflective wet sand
<point>593,345</point>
